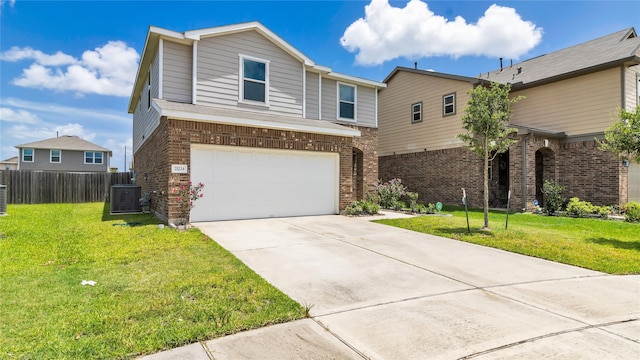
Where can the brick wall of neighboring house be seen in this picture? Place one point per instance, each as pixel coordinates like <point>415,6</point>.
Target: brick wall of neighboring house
<point>592,174</point>
<point>585,171</point>
<point>153,159</point>
<point>437,175</point>
<point>171,143</point>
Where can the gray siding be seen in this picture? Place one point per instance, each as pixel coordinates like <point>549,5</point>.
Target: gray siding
<point>329,100</point>
<point>313,96</point>
<point>365,103</point>
<point>366,106</point>
<point>177,78</point>
<point>70,161</point>
<point>218,73</point>
<point>146,119</point>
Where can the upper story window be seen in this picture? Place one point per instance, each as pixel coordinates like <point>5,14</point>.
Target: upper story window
<point>449,104</point>
<point>93,157</point>
<point>416,112</point>
<point>27,155</point>
<point>254,83</point>
<point>55,156</point>
<point>346,102</point>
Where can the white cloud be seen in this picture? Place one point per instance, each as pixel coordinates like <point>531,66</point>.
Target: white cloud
<point>21,116</point>
<point>388,32</point>
<point>108,70</point>
<point>16,54</point>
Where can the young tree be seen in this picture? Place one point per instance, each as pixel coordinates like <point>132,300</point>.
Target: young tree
<point>623,137</point>
<point>486,120</point>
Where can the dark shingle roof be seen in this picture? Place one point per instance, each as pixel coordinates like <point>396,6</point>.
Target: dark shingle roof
<point>607,51</point>
<point>65,142</point>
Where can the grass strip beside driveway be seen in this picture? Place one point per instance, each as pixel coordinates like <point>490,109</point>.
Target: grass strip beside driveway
<point>603,245</point>
<point>155,288</point>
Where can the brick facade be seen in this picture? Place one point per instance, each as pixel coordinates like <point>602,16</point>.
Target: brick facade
<point>437,175</point>
<point>171,143</point>
<point>585,171</point>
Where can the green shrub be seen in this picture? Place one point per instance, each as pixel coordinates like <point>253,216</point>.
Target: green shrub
<point>579,208</point>
<point>362,207</point>
<point>413,201</point>
<point>553,199</point>
<point>389,193</point>
<point>632,211</point>
<point>426,209</point>
<point>603,211</point>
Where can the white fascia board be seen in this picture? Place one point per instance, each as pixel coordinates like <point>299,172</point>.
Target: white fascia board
<point>185,115</point>
<point>150,45</point>
<point>166,32</point>
<point>356,80</point>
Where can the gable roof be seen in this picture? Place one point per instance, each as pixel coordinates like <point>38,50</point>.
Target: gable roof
<point>155,34</point>
<point>11,160</point>
<point>65,142</point>
<point>471,80</point>
<point>602,53</point>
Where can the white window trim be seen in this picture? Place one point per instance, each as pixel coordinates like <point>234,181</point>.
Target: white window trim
<point>241,98</point>
<point>51,156</point>
<point>149,91</point>
<point>355,102</point>
<point>413,121</point>
<point>33,156</point>
<point>93,157</point>
<point>444,113</point>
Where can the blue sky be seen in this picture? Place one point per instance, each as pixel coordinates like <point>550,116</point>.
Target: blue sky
<point>68,67</point>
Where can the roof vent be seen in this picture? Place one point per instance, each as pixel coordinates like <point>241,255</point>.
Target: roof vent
<point>519,70</point>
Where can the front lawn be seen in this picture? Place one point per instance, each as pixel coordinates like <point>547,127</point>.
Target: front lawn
<point>155,288</point>
<point>603,245</point>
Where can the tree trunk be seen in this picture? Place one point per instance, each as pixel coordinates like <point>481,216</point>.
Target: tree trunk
<point>486,184</point>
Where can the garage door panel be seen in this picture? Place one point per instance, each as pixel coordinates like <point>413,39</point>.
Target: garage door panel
<point>244,183</point>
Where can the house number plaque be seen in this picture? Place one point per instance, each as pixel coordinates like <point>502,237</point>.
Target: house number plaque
<point>179,169</point>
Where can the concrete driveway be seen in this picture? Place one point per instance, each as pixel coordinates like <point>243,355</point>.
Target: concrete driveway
<point>381,292</point>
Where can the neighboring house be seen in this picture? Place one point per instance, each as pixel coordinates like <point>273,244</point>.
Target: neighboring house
<point>571,98</point>
<point>268,131</point>
<point>64,153</point>
<point>9,164</point>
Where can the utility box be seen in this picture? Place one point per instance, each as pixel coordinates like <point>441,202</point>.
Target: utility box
<point>125,199</point>
<point>3,200</point>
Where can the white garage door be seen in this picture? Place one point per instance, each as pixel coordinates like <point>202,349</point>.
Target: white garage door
<point>248,183</point>
<point>634,181</point>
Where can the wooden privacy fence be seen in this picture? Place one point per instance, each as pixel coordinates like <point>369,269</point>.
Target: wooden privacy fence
<point>40,187</point>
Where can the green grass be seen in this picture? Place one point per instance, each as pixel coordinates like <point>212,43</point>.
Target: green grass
<point>156,288</point>
<point>602,245</point>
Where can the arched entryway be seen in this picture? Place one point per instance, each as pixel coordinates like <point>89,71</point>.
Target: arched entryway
<point>358,174</point>
<point>545,170</point>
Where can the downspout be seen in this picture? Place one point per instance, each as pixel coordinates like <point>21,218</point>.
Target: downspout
<point>524,173</point>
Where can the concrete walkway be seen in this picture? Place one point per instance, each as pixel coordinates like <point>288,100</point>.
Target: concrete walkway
<point>380,292</point>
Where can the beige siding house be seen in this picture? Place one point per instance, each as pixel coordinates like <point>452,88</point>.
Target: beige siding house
<point>269,132</point>
<point>571,97</point>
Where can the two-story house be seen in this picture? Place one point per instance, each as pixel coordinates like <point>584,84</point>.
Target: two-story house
<point>267,130</point>
<point>65,154</point>
<point>571,97</point>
